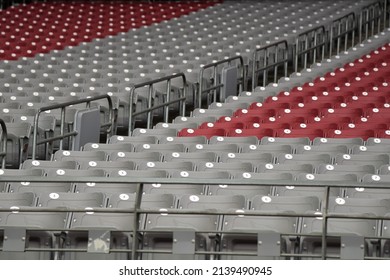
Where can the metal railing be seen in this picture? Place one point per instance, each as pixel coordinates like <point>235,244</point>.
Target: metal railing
<point>309,43</point>
<point>342,29</point>
<point>133,99</point>
<point>110,122</point>
<point>386,14</point>
<point>3,141</point>
<point>264,52</point>
<point>370,19</point>
<point>216,83</point>
<point>137,211</point>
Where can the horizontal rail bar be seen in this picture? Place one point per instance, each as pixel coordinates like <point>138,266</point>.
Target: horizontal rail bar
<point>196,181</point>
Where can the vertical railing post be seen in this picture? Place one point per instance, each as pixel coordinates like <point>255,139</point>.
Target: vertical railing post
<point>285,51</point>
<point>254,74</point>
<point>338,38</point>
<point>4,139</point>
<point>150,104</point>
<point>62,127</point>
<point>137,214</point>
<point>265,67</point>
<point>296,55</point>
<point>276,66</point>
<point>315,48</point>
<point>131,109</point>
<point>360,26</point>
<point>35,135</point>
<point>384,13</point>
<point>200,91</point>
<point>215,77</point>
<point>325,223</point>
<point>166,107</point>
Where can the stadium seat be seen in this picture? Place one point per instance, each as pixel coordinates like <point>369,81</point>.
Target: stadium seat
<point>263,229</point>
<point>354,233</point>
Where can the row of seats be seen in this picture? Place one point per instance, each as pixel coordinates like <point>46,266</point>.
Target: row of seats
<point>346,103</point>
<point>110,65</point>
<point>159,154</point>
<point>275,159</point>
<point>234,216</point>
<point>42,27</point>
<point>353,173</point>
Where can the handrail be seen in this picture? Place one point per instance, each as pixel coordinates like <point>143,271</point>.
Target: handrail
<point>344,26</point>
<point>370,15</point>
<point>267,66</point>
<point>151,107</point>
<point>63,106</point>
<point>312,41</point>
<point>137,209</point>
<point>217,85</point>
<point>197,181</point>
<point>3,140</point>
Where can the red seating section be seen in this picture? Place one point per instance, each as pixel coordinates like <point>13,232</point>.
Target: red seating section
<point>353,101</point>
<point>26,30</point>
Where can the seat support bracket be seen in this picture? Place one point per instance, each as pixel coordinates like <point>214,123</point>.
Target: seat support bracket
<point>14,239</point>
<point>183,242</point>
<point>268,244</point>
<point>352,247</point>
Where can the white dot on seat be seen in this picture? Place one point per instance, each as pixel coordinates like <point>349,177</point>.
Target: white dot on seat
<point>194,198</point>
<point>329,167</point>
<point>340,201</point>
<point>60,172</point>
<point>146,146</point>
<point>266,199</point>
<point>310,177</point>
<point>269,166</point>
<point>54,195</point>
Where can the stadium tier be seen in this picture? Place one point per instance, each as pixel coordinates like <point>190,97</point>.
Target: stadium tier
<point>212,130</point>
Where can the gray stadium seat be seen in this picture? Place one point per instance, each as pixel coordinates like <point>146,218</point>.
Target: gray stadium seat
<point>163,228</point>
<point>376,160</point>
<point>28,233</point>
<point>269,235</point>
<point>140,156</point>
<point>351,232</point>
<point>286,167</point>
<point>358,170</point>
<point>118,225</point>
<point>79,155</point>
